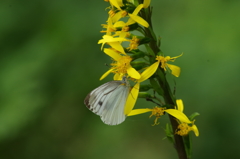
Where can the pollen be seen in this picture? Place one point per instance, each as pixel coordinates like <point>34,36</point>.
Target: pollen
<point>109,29</point>
<point>163,61</point>
<point>111,13</point>
<point>122,65</point>
<point>124,13</point>
<point>183,129</point>
<point>125,28</point>
<point>134,43</point>
<point>158,112</point>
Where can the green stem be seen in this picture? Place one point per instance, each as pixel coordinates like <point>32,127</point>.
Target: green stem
<point>168,96</point>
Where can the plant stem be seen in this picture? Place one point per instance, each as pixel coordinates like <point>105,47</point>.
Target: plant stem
<point>168,96</point>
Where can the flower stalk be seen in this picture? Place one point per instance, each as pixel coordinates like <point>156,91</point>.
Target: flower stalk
<point>168,96</point>
<point>138,66</point>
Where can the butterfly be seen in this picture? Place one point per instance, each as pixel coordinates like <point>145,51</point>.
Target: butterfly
<point>108,101</point>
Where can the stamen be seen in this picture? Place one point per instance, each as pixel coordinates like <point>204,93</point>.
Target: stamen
<point>121,65</point>
<point>158,112</point>
<point>133,43</point>
<point>183,129</point>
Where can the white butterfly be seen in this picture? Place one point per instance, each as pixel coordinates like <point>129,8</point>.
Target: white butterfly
<point>108,101</point>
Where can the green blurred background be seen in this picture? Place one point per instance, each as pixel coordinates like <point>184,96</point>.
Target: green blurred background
<point>50,61</point>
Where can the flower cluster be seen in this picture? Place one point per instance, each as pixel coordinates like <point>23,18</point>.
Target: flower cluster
<point>126,29</point>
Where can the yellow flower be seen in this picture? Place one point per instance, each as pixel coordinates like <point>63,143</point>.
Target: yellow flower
<point>121,65</point>
<point>133,17</point>
<point>146,3</point>
<point>156,111</point>
<point>109,27</point>
<point>132,98</point>
<point>163,60</point>
<point>116,3</point>
<point>133,43</point>
<point>185,125</point>
<point>113,42</point>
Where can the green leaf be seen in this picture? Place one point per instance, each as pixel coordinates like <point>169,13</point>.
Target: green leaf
<point>193,115</point>
<point>169,133</point>
<point>144,95</point>
<point>145,87</point>
<point>188,145</point>
<point>156,86</point>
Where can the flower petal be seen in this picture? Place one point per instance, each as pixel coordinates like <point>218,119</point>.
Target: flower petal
<point>116,3</point>
<point>175,69</point>
<point>133,73</point>
<point>179,115</point>
<point>130,21</point>
<point>139,20</point>
<point>180,104</point>
<point>148,72</point>
<point>105,74</point>
<point>117,46</point>
<point>117,16</point>
<point>132,98</point>
<point>119,24</point>
<point>113,54</point>
<point>117,77</point>
<point>146,3</point>
<point>139,7</point>
<point>177,56</point>
<point>195,130</point>
<point>139,111</point>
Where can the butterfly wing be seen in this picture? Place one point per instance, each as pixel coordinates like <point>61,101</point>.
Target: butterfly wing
<point>108,101</point>
<point>113,108</point>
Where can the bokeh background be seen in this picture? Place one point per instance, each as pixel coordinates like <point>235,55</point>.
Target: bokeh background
<point>50,61</point>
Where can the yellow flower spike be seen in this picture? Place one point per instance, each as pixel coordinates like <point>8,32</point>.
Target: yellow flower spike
<point>146,3</point>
